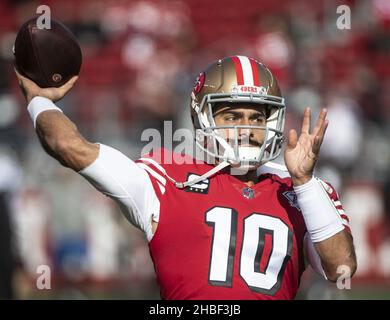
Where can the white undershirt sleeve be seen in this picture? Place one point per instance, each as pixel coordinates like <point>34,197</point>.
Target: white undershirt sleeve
<point>121,179</point>
<point>312,256</point>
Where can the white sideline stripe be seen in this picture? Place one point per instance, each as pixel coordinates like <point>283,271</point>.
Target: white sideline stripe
<point>162,189</point>
<point>341,211</point>
<point>345,222</point>
<point>153,173</point>
<point>327,187</point>
<point>337,203</point>
<point>246,70</point>
<point>151,161</point>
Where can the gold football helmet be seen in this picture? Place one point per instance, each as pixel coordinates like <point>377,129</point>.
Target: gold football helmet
<point>245,80</point>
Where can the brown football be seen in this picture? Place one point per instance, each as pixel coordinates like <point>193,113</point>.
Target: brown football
<point>49,57</point>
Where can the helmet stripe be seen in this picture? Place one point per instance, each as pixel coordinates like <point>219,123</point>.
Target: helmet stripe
<point>255,72</point>
<point>239,72</point>
<point>247,70</point>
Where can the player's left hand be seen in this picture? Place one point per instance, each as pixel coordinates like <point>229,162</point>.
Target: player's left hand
<point>301,153</point>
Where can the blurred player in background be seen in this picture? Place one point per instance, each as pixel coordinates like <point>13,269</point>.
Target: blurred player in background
<point>234,226</point>
<point>10,182</point>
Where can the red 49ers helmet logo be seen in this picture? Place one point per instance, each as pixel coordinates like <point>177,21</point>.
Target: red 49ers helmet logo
<point>199,82</point>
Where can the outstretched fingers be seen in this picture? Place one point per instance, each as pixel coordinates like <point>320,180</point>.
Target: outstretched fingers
<point>320,125</point>
<point>320,136</point>
<point>23,81</point>
<point>306,121</point>
<point>68,85</point>
<point>292,139</point>
<point>319,131</point>
<point>25,84</point>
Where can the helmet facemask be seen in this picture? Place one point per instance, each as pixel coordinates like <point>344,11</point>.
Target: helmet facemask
<point>226,144</point>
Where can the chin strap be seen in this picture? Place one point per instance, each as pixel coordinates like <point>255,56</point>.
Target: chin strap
<point>182,185</point>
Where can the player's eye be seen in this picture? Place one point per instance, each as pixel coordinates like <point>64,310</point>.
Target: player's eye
<point>230,118</point>
<point>260,118</point>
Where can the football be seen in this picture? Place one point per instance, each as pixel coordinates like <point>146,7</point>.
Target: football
<point>49,57</point>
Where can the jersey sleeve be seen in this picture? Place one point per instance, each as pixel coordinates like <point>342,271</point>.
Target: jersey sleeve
<point>334,197</point>
<point>157,176</point>
<point>129,185</point>
<point>151,164</point>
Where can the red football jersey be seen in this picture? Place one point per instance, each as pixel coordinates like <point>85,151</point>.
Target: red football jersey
<point>220,239</point>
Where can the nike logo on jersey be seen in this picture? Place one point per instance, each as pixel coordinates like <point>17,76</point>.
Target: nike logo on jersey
<point>200,187</point>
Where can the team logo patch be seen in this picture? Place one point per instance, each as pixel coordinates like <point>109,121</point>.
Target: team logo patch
<point>199,82</point>
<point>200,187</point>
<point>292,199</point>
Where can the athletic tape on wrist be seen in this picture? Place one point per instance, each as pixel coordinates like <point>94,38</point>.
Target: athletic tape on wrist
<point>38,105</point>
<point>319,212</point>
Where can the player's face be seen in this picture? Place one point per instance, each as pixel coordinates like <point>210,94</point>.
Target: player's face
<point>241,114</point>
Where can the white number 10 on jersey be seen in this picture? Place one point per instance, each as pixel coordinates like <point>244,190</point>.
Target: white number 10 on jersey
<point>256,226</point>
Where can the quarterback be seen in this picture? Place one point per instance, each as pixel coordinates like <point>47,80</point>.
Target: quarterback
<point>236,225</point>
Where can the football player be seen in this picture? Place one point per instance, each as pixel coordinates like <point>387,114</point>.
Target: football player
<point>234,226</point>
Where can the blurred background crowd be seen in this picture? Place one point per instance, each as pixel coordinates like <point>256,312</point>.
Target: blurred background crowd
<point>140,60</point>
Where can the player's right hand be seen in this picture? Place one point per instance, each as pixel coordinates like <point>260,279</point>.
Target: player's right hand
<point>30,89</point>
